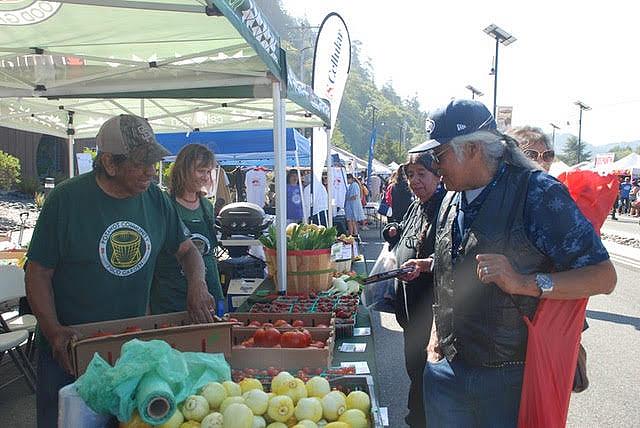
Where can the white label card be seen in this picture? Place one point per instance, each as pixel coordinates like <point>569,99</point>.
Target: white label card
<point>361,366</point>
<point>362,331</point>
<point>352,347</point>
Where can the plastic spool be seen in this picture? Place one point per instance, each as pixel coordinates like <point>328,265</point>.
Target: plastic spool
<point>158,408</point>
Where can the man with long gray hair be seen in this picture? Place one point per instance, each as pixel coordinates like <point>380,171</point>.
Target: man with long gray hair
<point>507,235</point>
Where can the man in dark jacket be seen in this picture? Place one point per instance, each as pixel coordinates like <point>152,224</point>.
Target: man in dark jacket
<point>507,235</point>
<point>414,299</point>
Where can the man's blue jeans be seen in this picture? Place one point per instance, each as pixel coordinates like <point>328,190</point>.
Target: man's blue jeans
<point>51,377</point>
<point>458,395</point>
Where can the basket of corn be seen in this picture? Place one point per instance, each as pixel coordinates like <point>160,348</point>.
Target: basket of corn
<point>309,266</point>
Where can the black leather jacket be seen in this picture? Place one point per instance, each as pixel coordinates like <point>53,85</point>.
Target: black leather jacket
<point>476,322</point>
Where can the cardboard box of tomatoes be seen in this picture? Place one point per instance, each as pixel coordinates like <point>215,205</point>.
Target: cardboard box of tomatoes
<point>107,337</point>
<point>284,347</point>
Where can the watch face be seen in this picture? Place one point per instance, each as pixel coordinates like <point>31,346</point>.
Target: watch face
<point>544,282</point>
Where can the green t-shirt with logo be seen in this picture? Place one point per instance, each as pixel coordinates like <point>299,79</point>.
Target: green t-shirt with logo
<point>169,289</point>
<point>103,250</point>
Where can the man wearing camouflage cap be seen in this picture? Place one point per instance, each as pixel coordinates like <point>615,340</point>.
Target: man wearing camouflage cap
<point>94,249</point>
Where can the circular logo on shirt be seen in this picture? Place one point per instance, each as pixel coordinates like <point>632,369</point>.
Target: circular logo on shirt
<point>124,248</point>
<point>295,198</point>
<point>202,243</point>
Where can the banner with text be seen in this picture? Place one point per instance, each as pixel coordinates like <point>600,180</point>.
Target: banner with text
<point>331,64</point>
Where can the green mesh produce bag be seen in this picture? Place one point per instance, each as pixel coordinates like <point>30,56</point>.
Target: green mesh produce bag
<point>148,373</point>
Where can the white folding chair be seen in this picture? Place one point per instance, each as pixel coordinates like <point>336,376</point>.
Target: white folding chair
<point>10,343</point>
<point>13,326</point>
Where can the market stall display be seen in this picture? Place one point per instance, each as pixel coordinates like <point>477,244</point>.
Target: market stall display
<point>308,256</point>
<point>106,338</point>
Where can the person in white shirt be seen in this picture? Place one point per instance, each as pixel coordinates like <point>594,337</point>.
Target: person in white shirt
<point>319,208</point>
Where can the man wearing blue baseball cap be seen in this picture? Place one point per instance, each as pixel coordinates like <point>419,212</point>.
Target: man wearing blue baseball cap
<point>507,236</point>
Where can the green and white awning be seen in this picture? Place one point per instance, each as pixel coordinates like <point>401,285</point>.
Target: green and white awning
<point>197,64</point>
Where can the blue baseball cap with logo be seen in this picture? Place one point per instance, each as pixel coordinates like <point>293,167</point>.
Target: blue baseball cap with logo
<point>459,117</point>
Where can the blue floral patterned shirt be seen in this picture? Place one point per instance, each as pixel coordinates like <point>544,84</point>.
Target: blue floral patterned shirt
<point>555,225</point>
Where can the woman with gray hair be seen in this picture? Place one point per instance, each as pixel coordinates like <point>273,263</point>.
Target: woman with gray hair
<point>507,236</point>
<point>535,145</point>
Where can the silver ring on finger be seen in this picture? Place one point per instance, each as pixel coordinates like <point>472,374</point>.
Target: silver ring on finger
<point>485,270</point>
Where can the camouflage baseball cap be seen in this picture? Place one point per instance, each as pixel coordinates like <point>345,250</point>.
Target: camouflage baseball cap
<point>131,136</point>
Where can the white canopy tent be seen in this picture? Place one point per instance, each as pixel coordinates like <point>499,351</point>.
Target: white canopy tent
<point>185,65</point>
<point>360,164</point>
<point>627,163</point>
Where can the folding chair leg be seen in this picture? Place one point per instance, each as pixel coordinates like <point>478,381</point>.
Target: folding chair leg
<point>31,347</point>
<point>23,370</point>
<point>27,363</point>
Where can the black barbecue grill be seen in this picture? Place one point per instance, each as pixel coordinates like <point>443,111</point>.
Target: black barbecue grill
<point>242,218</point>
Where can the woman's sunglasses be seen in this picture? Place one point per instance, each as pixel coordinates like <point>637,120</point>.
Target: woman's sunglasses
<point>547,155</point>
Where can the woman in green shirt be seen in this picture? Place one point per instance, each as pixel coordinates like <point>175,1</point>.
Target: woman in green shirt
<point>190,174</point>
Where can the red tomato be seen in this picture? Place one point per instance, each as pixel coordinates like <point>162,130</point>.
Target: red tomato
<point>293,339</point>
<point>249,343</point>
<point>321,325</point>
<point>272,371</point>
<point>266,337</point>
<point>267,324</point>
<point>255,323</point>
<point>165,325</point>
<point>232,320</point>
<point>307,336</point>
<point>281,323</point>
<point>318,344</point>
<point>298,323</point>
<point>132,329</point>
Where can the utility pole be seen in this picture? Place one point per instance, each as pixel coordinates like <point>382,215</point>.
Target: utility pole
<point>582,107</point>
<point>553,134</point>
<point>506,39</point>
<point>474,92</point>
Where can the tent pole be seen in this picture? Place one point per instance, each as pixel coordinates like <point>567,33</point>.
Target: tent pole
<point>329,179</point>
<point>279,141</point>
<point>305,214</point>
<point>70,133</point>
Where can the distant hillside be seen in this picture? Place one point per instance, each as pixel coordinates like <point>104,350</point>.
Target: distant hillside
<point>561,140</point>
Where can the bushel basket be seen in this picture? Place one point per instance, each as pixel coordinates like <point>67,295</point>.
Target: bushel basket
<point>307,270</point>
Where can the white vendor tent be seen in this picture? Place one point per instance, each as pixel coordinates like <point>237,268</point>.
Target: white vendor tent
<point>185,65</point>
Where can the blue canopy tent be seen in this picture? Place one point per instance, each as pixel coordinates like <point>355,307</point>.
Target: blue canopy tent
<point>243,148</point>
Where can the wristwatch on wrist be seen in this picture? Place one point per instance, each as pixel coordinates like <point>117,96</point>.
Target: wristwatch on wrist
<point>544,283</point>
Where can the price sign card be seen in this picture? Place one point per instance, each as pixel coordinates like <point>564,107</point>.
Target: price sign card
<point>352,347</point>
<point>361,366</point>
<point>362,331</point>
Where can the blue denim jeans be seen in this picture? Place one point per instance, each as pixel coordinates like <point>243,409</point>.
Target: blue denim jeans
<point>51,377</point>
<point>458,395</point>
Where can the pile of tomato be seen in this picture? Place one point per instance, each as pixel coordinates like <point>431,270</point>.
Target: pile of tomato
<point>271,337</point>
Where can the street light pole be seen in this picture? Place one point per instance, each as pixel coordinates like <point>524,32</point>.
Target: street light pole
<point>501,36</point>
<point>582,107</point>
<point>553,134</point>
<point>474,92</point>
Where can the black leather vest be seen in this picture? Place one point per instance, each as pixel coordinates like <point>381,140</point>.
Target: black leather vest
<point>479,322</point>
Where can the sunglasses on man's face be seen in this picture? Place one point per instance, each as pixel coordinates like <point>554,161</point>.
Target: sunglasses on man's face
<point>436,156</point>
<point>547,155</point>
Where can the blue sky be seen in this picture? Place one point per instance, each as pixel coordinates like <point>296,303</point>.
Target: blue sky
<point>565,51</point>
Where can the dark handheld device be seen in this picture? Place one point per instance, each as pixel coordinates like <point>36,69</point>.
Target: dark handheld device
<point>388,275</point>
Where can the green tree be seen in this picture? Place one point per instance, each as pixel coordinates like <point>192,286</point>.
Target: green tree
<point>9,171</point>
<point>573,153</point>
<point>621,152</point>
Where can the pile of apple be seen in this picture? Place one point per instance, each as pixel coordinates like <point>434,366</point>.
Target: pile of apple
<point>291,403</point>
